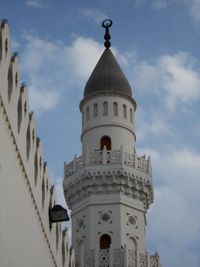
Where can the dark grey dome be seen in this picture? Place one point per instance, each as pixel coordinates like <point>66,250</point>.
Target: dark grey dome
<point>107,76</point>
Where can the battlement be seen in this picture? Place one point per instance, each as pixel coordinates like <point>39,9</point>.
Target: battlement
<point>21,126</point>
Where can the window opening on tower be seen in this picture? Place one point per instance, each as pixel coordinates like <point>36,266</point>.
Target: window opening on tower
<point>105,141</point>
<point>105,241</point>
<point>105,108</point>
<point>115,109</point>
<point>95,110</point>
<point>124,112</point>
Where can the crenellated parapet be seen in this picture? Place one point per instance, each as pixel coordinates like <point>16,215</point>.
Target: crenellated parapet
<point>20,123</point>
<point>106,172</point>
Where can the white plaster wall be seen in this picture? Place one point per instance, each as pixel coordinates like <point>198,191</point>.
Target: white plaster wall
<point>21,239</point>
<point>25,236</point>
<point>119,207</point>
<point>119,129</point>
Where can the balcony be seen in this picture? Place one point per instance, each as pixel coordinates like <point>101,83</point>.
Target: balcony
<point>105,157</point>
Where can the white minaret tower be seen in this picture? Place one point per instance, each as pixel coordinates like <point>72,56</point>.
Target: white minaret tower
<point>109,188</point>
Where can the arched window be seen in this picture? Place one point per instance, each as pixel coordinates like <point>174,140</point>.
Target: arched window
<point>95,110</point>
<point>132,244</point>
<point>105,108</point>
<point>131,115</point>
<point>115,109</point>
<point>132,249</point>
<point>124,111</point>
<point>87,113</point>
<point>105,141</point>
<point>105,241</point>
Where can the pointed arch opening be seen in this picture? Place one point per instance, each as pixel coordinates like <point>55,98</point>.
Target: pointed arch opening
<point>105,141</point>
<point>105,241</point>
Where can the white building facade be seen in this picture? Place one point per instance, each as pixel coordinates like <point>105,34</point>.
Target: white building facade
<point>27,238</point>
<point>109,187</point>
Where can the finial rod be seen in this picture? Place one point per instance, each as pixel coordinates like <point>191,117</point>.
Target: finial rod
<point>107,23</point>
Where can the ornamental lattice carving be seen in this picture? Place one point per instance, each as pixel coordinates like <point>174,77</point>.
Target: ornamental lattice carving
<point>129,159</point>
<point>104,258</point>
<point>132,258</point>
<point>80,162</point>
<point>108,157</point>
<point>143,260</point>
<point>118,256</point>
<point>95,158</point>
<point>142,164</point>
<point>113,157</point>
<point>153,261</point>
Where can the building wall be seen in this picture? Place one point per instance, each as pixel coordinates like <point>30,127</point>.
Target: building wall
<point>111,214</point>
<point>26,236</point>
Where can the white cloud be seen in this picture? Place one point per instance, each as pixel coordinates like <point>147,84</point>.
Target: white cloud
<point>138,3</point>
<point>14,43</point>
<point>159,4</point>
<point>173,219</point>
<point>194,9</point>
<point>173,77</point>
<point>153,123</point>
<point>82,51</point>
<point>35,3</point>
<point>42,99</point>
<point>51,68</point>
<point>96,15</point>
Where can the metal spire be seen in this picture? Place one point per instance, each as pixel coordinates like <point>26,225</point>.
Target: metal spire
<point>107,23</point>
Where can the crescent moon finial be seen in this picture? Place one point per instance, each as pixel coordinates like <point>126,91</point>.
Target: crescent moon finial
<point>107,23</point>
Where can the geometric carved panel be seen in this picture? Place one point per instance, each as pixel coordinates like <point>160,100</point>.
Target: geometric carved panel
<point>132,258</point>
<point>143,260</point>
<point>105,217</point>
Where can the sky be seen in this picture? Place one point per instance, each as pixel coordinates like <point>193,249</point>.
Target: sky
<point>157,44</point>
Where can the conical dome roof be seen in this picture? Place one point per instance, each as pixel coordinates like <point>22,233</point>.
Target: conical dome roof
<point>107,76</point>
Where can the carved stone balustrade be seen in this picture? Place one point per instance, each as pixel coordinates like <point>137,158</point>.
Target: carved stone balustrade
<point>108,172</point>
<point>109,157</point>
<point>116,258</point>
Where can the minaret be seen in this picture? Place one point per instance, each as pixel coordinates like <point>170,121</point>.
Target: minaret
<point>109,187</point>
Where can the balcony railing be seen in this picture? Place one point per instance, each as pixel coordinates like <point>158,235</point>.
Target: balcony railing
<point>109,158</point>
<point>122,257</point>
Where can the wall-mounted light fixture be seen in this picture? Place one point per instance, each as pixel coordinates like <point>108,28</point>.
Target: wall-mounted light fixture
<point>58,214</point>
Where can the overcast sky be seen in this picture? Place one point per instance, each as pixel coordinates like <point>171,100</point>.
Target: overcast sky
<point>157,43</point>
